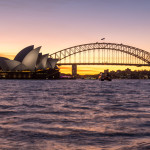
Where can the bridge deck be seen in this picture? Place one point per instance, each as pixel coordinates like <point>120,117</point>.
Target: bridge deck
<point>138,65</point>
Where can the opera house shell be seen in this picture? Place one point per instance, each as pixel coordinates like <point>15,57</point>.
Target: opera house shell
<point>29,59</point>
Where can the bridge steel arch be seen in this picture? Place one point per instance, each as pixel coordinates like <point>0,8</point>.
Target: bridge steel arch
<point>133,51</point>
<point>137,53</point>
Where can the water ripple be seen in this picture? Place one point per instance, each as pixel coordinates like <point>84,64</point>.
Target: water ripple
<point>74,114</point>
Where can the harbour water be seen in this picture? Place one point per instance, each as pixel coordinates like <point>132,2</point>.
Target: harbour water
<point>74,115</point>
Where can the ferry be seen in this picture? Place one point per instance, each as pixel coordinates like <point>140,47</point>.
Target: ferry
<point>104,76</point>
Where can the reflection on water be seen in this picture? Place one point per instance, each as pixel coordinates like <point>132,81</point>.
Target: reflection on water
<point>74,114</point>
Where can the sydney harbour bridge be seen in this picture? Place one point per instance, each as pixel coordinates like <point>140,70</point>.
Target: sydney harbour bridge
<point>102,54</point>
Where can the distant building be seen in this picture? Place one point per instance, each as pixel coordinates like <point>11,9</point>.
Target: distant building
<point>106,71</point>
<point>128,70</point>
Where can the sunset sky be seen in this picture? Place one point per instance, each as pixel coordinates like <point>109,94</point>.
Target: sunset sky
<point>59,24</point>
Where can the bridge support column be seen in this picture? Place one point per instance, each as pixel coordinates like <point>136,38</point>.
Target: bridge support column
<point>74,70</point>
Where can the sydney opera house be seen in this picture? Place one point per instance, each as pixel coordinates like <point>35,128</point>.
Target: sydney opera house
<point>29,63</point>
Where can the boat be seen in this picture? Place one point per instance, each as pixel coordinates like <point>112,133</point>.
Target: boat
<point>104,76</point>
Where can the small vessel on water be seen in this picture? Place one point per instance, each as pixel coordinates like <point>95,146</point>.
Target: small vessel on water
<point>104,76</point>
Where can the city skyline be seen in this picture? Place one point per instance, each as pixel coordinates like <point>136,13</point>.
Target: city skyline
<point>59,24</point>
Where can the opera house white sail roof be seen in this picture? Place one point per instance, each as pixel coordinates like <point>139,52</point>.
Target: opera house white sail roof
<point>28,59</point>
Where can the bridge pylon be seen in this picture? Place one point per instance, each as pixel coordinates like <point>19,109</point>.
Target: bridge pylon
<point>74,70</point>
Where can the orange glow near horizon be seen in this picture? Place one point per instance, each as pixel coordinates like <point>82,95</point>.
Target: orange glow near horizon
<point>9,56</point>
<point>91,70</point>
